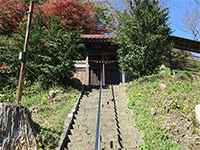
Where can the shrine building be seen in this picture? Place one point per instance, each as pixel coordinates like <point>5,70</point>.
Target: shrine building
<point>101,59</point>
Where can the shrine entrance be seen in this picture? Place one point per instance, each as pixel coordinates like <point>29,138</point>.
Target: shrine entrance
<point>100,59</point>
<point>107,67</point>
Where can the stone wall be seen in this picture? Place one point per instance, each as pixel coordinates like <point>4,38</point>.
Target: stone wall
<point>81,72</point>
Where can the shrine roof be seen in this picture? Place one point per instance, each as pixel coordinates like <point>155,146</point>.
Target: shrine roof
<point>179,42</point>
<point>97,37</point>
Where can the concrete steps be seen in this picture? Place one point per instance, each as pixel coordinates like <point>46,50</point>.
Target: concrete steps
<point>117,130</point>
<point>83,134</point>
<point>108,126</point>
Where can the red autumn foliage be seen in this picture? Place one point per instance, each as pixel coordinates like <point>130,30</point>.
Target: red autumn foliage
<point>72,13</point>
<point>11,13</point>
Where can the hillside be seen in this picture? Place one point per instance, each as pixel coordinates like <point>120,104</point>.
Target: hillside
<point>164,105</point>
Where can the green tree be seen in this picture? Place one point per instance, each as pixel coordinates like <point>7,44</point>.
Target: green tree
<point>52,51</point>
<point>105,18</point>
<point>143,37</point>
<point>8,59</point>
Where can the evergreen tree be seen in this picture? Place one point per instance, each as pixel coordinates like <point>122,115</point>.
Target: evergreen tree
<point>143,37</point>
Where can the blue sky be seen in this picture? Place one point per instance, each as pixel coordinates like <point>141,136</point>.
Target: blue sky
<point>177,10</point>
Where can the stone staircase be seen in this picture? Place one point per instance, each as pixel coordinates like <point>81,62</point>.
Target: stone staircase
<point>84,132</point>
<point>117,124</point>
<point>108,126</point>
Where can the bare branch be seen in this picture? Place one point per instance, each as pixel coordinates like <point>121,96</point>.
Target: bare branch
<point>197,1</point>
<point>191,22</point>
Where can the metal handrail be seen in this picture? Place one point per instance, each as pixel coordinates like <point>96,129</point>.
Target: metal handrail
<point>98,123</point>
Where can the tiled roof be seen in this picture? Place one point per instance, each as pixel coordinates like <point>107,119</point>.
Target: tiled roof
<point>96,36</point>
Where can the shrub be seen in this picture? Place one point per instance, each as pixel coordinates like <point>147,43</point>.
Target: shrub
<point>8,61</point>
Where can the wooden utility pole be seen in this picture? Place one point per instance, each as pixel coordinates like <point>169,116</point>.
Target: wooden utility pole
<point>23,55</point>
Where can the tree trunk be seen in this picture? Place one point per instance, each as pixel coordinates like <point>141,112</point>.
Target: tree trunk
<point>16,128</point>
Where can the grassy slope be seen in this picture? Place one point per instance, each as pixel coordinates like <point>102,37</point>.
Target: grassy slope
<point>49,115</point>
<point>153,104</point>
<point>156,107</point>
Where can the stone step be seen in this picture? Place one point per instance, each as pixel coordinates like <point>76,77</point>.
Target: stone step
<point>83,134</point>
